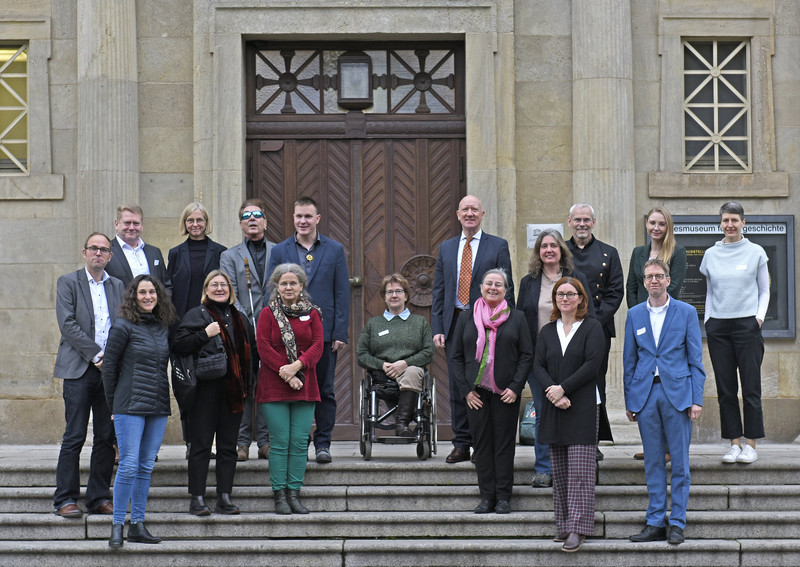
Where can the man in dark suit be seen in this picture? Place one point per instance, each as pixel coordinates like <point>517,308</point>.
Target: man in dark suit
<point>87,302</point>
<point>325,265</point>
<point>455,289</point>
<point>247,266</point>
<point>130,255</point>
<point>600,263</point>
<point>664,380</point>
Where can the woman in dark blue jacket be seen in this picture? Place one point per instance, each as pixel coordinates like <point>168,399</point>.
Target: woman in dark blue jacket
<point>137,391</point>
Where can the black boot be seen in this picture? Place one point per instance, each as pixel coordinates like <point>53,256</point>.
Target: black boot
<point>405,407</point>
<point>198,507</point>
<point>281,504</point>
<point>225,506</point>
<point>294,502</point>
<point>138,533</point>
<point>115,541</point>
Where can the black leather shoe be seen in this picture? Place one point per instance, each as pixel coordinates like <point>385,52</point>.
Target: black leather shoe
<point>281,503</point>
<point>561,537</point>
<point>293,497</point>
<point>485,507</point>
<point>458,455</point>
<point>650,533</point>
<point>198,507</point>
<point>675,535</point>
<point>115,541</point>
<point>573,543</point>
<point>138,533</point>
<point>225,506</point>
<point>502,507</point>
<point>598,455</point>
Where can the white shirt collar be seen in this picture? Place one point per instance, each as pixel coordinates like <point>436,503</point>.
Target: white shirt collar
<point>92,280</point>
<point>124,245</point>
<point>477,235</point>
<point>657,310</point>
<point>404,315</point>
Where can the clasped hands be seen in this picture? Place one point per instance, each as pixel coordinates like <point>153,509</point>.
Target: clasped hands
<point>288,373</point>
<point>557,397</point>
<point>474,400</point>
<point>394,369</point>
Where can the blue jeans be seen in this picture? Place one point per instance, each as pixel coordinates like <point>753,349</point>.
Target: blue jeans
<point>139,439</point>
<point>80,396</point>
<point>325,414</point>
<point>289,423</point>
<point>542,450</point>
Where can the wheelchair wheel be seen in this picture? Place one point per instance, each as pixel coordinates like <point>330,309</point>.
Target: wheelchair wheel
<point>362,416</point>
<point>367,450</point>
<point>434,434</point>
<point>423,449</point>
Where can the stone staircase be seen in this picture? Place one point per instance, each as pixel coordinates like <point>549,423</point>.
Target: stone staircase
<point>396,510</point>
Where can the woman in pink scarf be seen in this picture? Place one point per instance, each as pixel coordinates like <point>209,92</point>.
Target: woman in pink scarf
<point>492,353</point>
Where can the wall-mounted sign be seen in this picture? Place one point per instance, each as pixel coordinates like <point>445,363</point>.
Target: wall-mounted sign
<point>533,231</point>
<point>774,233</point>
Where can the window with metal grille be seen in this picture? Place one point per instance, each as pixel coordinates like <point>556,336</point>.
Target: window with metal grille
<point>13,109</point>
<point>716,106</point>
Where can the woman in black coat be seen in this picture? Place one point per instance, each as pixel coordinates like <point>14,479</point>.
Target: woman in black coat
<point>567,364</point>
<point>137,391</point>
<point>492,356</point>
<point>210,328</point>
<point>551,260</point>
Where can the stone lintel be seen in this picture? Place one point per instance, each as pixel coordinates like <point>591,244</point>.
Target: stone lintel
<point>667,185</point>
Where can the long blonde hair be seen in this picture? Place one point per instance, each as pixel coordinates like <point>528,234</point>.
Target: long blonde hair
<point>668,246</point>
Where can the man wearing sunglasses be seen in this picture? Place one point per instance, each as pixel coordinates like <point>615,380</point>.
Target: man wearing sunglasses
<point>87,302</point>
<point>246,264</point>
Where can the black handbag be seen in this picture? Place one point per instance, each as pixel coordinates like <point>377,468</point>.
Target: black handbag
<point>214,365</point>
<point>184,380</point>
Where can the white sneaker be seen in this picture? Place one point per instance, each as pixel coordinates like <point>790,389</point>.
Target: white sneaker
<point>747,455</point>
<point>732,454</point>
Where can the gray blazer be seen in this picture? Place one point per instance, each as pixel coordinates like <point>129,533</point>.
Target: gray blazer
<point>75,315</point>
<point>232,263</point>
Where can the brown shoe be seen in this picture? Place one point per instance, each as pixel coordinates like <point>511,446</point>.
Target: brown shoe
<point>263,452</point>
<point>242,453</point>
<point>561,537</point>
<point>458,455</point>
<point>106,508</point>
<point>573,543</point>
<point>69,511</point>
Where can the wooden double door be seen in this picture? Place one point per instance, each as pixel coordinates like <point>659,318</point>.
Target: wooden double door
<point>390,203</point>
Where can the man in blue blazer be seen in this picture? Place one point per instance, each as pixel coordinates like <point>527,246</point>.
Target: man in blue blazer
<point>87,303</point>
<point>130,255</point>
<point>487,252</point>
<point>325,265</point>
<point>664,380</point>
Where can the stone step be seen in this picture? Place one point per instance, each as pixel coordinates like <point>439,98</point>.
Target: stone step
<point>431,498</point>
<point>353,525</point>
<point>402,553</point>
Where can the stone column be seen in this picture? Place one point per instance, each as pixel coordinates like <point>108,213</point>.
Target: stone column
<point>602,117</point>
<point>108,106</point>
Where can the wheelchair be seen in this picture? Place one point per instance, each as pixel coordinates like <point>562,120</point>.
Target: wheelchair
<point>379,397</point>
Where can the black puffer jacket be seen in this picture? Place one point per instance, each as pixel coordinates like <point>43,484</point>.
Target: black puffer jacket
<point>135,368</point>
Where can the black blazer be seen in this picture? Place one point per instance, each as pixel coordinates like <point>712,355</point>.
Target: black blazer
<point>528,300</point>
<point>179,272</point>
<point>576,371</point>
<point>118,265</point>
<point>512,357</point>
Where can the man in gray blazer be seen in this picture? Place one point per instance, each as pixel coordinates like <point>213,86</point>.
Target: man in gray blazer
<point>246,264</point>
<point>87,302</point>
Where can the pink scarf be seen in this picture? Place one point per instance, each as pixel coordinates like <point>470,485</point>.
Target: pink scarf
<point>487,321</point>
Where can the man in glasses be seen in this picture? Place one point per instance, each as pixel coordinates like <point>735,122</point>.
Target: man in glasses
<point>246,265</point>
<point>87,301</point>
<point>664,380</point>
<point>131,256</point>
<point>600,264</point>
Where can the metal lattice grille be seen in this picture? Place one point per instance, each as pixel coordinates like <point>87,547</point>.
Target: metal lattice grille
<point>13,109</point>
<point>716,106</point>
<point>404,81</point>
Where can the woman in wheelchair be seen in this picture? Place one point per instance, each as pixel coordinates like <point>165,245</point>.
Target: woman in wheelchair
<point>399,344</point>
<point>492,355</point>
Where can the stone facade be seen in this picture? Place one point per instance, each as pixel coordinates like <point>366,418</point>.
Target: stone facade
<point>566,100</point>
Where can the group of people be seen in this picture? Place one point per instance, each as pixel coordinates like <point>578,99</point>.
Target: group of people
<point>243,317</point>
<point>280,312</point>
<point>557,338</point>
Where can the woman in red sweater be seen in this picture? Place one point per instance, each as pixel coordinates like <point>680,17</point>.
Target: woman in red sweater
<point>289,339</point>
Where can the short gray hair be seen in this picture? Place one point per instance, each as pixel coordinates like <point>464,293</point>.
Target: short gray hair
<point>581,206</point>
<point>282,269</point>
<point>496,271</point>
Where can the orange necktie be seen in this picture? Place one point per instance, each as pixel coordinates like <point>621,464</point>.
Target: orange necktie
<point>465,275</point>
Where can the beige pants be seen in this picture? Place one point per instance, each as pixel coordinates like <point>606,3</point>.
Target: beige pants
<point>411,379</point>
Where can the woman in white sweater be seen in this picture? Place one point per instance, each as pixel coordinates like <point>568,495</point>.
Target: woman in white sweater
<point>737,297</point>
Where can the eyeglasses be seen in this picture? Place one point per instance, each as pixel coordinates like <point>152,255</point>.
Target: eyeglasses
<point>96,249</point>
<point>657,277</point>
<point>395,292</point>
<point>218,285</point>
<point>568,295</point>
<point>255,214</point>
